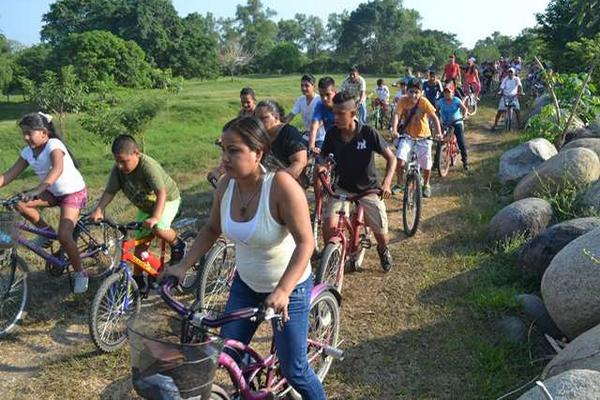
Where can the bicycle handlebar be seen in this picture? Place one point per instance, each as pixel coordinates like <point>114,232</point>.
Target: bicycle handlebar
<point>11,201</point>
<point>343,197</point>
<point>199,319</point>
<point>123,228</point>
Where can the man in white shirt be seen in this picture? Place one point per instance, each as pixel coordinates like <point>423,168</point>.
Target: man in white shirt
<point>305,105</point>
<point>509,88</point>
<point>356,86</point>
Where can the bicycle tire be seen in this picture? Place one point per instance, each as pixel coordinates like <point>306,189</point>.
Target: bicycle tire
<point>215,274</point>
<point>192,276</point>
<point>411,204</point>
<point>218,393</point>
<point>444,160</point>
<point>13,291</point>
<point>100,322</point>
<point>91,237</point>
<point>472,107</point>
<point>324,312</point>
<point>508,121</point>
<point>330,263</point>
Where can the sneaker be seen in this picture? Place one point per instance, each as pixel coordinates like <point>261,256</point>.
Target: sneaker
<point>80,284</point>
<point>397,189</point>
<point>177,251</point>
<point>427,191</point>
<point>385,258</point>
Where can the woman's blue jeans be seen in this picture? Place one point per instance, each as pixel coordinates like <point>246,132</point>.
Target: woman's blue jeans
<point>290,341</point>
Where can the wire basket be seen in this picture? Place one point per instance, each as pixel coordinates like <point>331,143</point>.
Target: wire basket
<point>8,229</point>
<point>162,367</point>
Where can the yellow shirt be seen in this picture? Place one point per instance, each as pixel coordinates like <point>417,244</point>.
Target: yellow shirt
<point>418,126</point>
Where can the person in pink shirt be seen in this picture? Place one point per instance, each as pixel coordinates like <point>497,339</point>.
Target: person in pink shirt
<point>472,78</point>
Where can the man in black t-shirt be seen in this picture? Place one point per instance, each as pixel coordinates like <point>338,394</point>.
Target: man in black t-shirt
<point>353,146</point>
<point>432,88</point>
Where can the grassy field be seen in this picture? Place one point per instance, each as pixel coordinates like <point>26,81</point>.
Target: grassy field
<point>423,331</point>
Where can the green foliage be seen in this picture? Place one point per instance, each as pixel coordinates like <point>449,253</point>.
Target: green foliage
<point>194,54</point>
<point>31,62</point>
<point>430,49</point>
<point>57,93</point>
<point>108,122</point>
<point>256,30</point>
<point>543,125</point>
<point>567,201</point>
<point>100,56</point>
<point>283,58</point>
<point>586,50</point>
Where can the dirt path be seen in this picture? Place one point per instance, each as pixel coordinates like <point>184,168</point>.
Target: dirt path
<point>402,331</point>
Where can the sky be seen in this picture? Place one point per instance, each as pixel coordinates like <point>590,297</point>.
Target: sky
<point>470,20</point>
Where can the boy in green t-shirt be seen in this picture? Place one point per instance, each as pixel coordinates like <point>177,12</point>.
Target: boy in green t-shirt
<point>146,184</point>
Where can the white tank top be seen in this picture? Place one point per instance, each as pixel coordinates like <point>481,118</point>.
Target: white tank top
<point>263,247</point>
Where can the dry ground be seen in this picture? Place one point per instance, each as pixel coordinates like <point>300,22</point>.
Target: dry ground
<point>407,334</point>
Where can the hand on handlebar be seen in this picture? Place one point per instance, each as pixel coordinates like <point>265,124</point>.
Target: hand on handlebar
<point>30,195</point>
<point>314,150</point>
<point>96,216</point>
<point>150,222</point>
<point>278,301</point>
<point>176,271</point>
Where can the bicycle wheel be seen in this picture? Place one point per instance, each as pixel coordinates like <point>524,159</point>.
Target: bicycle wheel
<point>472,104</point>
<point>101,242</point>
<point>218,393</point>
<point>508,120</point>
<point>411,204</point>
<point>323,331</point>
<point>117,299</point>
<point>13,290</point>
<point>192,276</point>
<point>330,263</point>
<point>444,160</point>
<point>215,276</point>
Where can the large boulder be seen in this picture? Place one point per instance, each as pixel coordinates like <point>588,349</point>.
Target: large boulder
<point>534,309</point>
<point>591,143</point>
<point>581,353</point>
<point>519,161</point>
<point>570,285</point>
<point>537,254</point>
<point>575,384</point>
<point>595,126</point>
<point>578,166</point>
<point>527,216</point>
<point>591,197</point>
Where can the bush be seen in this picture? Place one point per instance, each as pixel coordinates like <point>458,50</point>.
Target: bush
<point>284,58</point>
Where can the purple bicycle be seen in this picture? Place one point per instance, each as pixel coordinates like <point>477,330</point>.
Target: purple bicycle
<point>187,366</point>
<point>97,244</point>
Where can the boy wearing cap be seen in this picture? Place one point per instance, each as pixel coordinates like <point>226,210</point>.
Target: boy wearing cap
<point>510,87</point>
<point>415,112</point>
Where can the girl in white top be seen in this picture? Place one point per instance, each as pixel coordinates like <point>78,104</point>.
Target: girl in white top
<point>267,216</point>
<point>61,185</point>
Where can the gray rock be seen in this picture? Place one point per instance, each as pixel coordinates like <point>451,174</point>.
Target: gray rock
<point>591,197</point>
<point>519,161</point>
<point>591,143</point>
<point>570,285</point>
<point>537,254</point>
<point>534,309</point>
<point>581,353</point>
<point>527,216</point>
<point>578,166</point>
<point>538,104</point>
<point>595,126</point>
<point>512,329</point>
<point>577,130</point>
<point>575,384</point>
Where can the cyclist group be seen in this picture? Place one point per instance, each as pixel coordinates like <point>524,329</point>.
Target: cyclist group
<point>258,203</point>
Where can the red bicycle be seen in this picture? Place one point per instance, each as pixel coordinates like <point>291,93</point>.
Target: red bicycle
<point>447,149</point>
<point>351,239</point>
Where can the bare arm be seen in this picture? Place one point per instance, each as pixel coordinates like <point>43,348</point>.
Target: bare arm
<point>312,134</point>
<point>436,120</point>
<point>14,171</point>
<point>298,162</point>
<point>159,207</point>
<point>56,158</point>
<point>390,169</point>
<point>292,210</point>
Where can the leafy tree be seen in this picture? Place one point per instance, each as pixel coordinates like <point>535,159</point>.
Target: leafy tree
<point>375,32</point>
<point>57,93</point>
<point>98,56</point>
<point>429,49</point>
<point>334,27</point>
<point>284,58</point>
<point>290,30</point>
<point>257,31</point>
<point>6,65</point>
<point>195,54</point>
<point>556,28</point>
<point>31,62</point>
<point>315,36</point>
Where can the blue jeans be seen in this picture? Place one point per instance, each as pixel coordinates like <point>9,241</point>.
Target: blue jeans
<point>290,342</point>
<point>459,132</point>
<point>362,113</point>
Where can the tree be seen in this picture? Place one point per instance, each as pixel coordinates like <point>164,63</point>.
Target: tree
<point>31,62</point>
<point>99,56</point>
<point>315,37</point>
<point>290,30</point>
<point>284,58</point>
<point>233,57</point>
<point>428,50</point>
<point>195,54</point>
<point>257,32</point>
<point>57,93</point>
<point>6,65</point>
<point>375,32</point>
<point>334,27</point>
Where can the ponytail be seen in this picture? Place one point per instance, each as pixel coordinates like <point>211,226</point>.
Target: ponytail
<point>41,121</point>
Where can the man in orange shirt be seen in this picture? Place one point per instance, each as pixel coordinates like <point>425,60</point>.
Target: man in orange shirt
<point>451,71</point>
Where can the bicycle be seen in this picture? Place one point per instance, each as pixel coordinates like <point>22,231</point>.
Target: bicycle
<point>380,117</point>
<point>471,101</point>
<point>260,378</point>
<point>344,249</point>
<point>119,296</point>
<point>413,189</point>
<point>446,149</point>
<point>97,245</point>
<point>509,104</point>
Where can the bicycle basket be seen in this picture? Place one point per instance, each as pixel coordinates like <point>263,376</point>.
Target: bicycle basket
<point>8,229</point>
<point>162,367</point>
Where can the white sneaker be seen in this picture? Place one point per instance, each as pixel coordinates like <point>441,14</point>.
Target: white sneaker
<point>80,285</point>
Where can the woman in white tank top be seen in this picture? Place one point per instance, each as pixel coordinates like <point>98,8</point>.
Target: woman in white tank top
<point>266,215</point>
